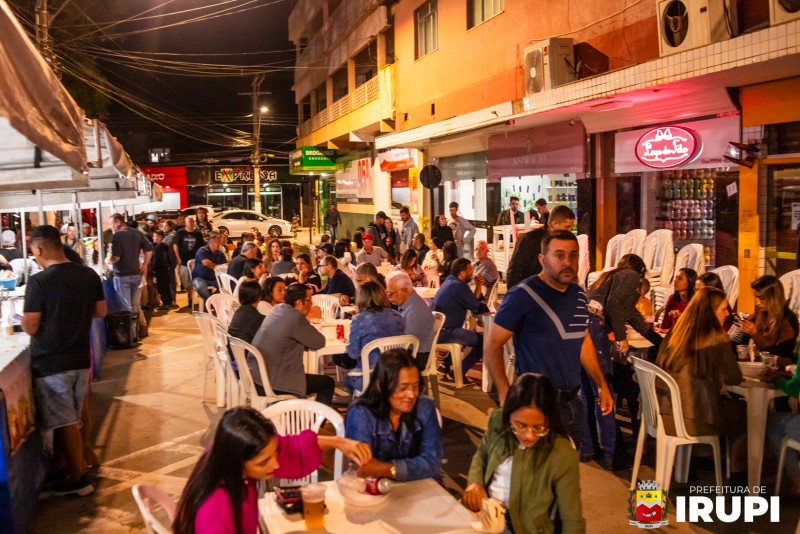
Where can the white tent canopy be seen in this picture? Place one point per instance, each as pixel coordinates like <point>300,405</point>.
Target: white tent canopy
<point>39,122</point>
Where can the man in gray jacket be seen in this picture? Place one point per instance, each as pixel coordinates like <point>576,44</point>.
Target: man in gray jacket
<point>282,338</point>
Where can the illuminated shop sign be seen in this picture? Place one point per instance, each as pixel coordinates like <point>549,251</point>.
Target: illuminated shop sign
<point>667,147</point>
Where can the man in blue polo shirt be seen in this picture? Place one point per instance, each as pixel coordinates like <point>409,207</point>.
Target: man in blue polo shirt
<point>205,261</point>
<point>338,282</point>
<point>546,313</point>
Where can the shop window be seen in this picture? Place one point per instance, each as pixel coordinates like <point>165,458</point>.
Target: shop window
<point>479,11</point>
<point>426,28</point>
<point>553,188</point>
<point>783,219</point>
<point>339,79</point>
<point>322,97</point>
<point>367,63</point>
<point>471,198</point>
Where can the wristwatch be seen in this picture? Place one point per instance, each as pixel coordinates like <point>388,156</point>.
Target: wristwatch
<point>393,471</point>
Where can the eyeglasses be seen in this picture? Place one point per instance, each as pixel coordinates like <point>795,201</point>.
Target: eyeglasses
<point>539,431</point>
<point>390,293</point>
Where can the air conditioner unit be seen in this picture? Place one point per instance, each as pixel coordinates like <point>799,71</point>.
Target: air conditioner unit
<point>781,11</point>
<point>687,24</point>
<point>549,64</point>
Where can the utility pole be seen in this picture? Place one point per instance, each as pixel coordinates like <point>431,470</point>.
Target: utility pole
<point>255,159</point>
<point>43,41</point>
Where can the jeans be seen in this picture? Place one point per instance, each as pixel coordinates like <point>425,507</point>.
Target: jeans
<point>332,231</point>
<point>606,424</point>
<point>323,386</point>
<point>128,291</point>
<point>467,338</point>
<point>782,424</point>
<point>201,285</point>
<point>572,417</point>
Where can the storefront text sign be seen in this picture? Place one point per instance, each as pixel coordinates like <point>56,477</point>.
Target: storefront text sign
<point>667,147</point>
<point>354,180</point>
<point>234,175</point>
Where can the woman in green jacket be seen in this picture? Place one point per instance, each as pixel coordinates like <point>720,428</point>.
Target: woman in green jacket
<point>526,461</point>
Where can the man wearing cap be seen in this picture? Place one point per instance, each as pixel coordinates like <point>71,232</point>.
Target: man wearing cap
<point>371,254</point>
<point>9,250</point>
<point>151,222</point>
<point>126,246</point>
<point>377,230</point>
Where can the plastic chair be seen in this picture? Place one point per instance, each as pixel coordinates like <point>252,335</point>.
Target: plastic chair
<point>149,499</point>
<point>791,289</point>
<point>222,268</point>
<point>432,277</point>
<point>240,349</point>
<point>382,344</point>
<point>328,304</point>
<point>633,243</point>
<point>508,357</point>
<point>222,306</point>
<point>198,300</point>
<point>787,443</point>
<point>584,265</point>
<point>730,282</point>
<point>659,296</point>
<point>206,323</point>
<point>691,256</point>
<point>659,257</point>
<point>294,416</point>
<point>234,392</point>
<point>429,373</point>
<point>227,284</point>
<point>610,260</point>
<point>491,300</point>
<point>652,424</point>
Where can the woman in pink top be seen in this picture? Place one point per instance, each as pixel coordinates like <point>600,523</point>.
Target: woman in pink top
<point>220,496</point>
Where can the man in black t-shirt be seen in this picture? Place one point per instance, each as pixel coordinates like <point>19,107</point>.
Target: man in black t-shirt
<point>187,242</point>
<point>60,303</point>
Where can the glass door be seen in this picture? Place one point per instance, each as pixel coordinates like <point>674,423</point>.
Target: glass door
<point>783,218</point>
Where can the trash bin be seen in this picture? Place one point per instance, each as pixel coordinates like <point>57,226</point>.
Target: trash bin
<point>123,330</point>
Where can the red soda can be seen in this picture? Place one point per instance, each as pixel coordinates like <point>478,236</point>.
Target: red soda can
<point>377,486</point>
<point>340,332</point>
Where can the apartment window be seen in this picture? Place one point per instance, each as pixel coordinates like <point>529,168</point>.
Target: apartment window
<point>426,17</point>
<point>479,11</point>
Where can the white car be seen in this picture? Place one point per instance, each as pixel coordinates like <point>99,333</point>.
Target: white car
<point>238,221</point>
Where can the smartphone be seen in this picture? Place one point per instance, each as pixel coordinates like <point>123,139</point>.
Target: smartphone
<point>290,499</point>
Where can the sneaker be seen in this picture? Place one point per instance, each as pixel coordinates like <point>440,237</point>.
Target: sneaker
<point>164,307</point>
<point>81,487</point>
<point>173,306</point>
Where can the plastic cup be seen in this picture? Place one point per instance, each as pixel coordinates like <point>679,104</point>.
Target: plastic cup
<point>742,353</point>
<point>314,506</point>
<point>769,360</point>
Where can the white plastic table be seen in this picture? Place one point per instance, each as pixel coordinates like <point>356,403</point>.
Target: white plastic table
<point>427,292</point>
<point>332,345</point>
<point>419,507</point>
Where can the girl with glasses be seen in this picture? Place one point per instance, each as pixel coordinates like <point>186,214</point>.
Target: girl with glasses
<point>526,461</point>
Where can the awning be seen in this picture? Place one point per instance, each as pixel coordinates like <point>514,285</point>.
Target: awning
<point>35,111</point>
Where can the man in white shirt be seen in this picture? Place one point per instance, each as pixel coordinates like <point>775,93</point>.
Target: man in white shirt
<point>463,231</point>
<point>408,229</point>
<point>370,253</point>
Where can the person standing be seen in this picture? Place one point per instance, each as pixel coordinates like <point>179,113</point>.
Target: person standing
<point>10,251</point>
<point>127,244</point>
<point>463,231</point>
<point>164,269</point>
<point>525,261</point>
<point>333,219</point>
<point>547,315</point>
<point>282,338</point>
<point>188,241</point>
<point>72,242</point>
<point>542,213</point>
<point>60,303</point>
<point>408,230</point>
<point>511,216</point>
<point>377,230</point>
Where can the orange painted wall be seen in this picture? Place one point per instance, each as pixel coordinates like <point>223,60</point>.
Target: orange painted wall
<point>477,68</point>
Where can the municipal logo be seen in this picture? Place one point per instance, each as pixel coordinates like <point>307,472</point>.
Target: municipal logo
<point>648,506</point>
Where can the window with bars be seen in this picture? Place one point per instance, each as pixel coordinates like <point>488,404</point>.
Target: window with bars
<point>427,22</point>
<point>479,11</point>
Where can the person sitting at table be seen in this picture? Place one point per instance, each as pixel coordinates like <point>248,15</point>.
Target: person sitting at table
<point>205,261</point>
<point>454,299</point>
<point>342,252</point>
<point>247,319</point>
<point>526,461</point>
<point>366,272</point>
<point>305,272</point>
<point>449,255</point>
<point>697,354</point>
<point>272,294</point>
<point>375,319</point>
<point>253,270</point>
<point>785,424</point>
<point>774,325</point>
<point>684,283</point>
<point>415,311</point>
<point>272,254</point>
<point>284,335</point>
<point>400,425</point>
<point>612,307</point>
<point>286,264</point>
<point>710,279</point>
<point>236,266</point>
<point>338,283</point>
<point>408,265</point>
<point>221,493</point>
<point>433,258</point>
<point>372,254</point>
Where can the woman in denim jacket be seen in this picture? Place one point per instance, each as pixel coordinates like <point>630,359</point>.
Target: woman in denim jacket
<point>400,426</point>
<point>375,319</point>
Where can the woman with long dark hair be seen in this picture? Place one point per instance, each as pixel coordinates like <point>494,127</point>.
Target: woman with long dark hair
<point>203,224</point>
<point>221,495</point>
<point>273,293</point>
<point>449,255</point>
<point>526,461</point>
<point>442,230</point>
<point>408,265</point>
<point>684,285</point>
<point>272,254</point>
<point>773,327</point>
<point>400,426</point>
<point>391,240</point>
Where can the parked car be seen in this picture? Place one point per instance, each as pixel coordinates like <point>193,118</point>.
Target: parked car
<point>192,210</point>
<point>238,221</point>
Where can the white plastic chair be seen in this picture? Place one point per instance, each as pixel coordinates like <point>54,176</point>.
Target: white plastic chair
<point>222,268</point>
<point>222,306</point>
<point>430,373</point>
<point>508,357</point>
<point>149,499</point>
<point>633,243</point>
<point>227,284</point>
<point>584,264</point>
<point>491,300</point>
<point>328,304</point>
<point>791,289</point>
<point>610,260</point>
<point>730,282</point>
<point>787,443</point>
<point>240,349</point>
<point>652,424</point>
<point>659,295</point>
<point>659,257</point>
<point>234,391</point>
<point>432,277</point>
<point>296,415</point>
<point>198,300</point>
<point>382,344</point>
<point>206,323</point>
<point>691,256</point>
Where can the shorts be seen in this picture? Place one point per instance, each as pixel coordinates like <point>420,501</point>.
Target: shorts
<point>59,398</point>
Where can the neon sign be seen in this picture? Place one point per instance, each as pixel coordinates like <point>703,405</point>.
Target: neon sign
<point>668,147</point>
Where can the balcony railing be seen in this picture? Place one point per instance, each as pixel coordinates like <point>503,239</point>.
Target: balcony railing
<point>363,95</point>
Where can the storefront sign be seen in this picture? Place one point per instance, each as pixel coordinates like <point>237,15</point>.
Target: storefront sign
<point>309,159</point>
<point>354,180</point>
<point>395,159</point>
<point>554,149</point>
<point>668,147</point>
<point>229,175</point>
